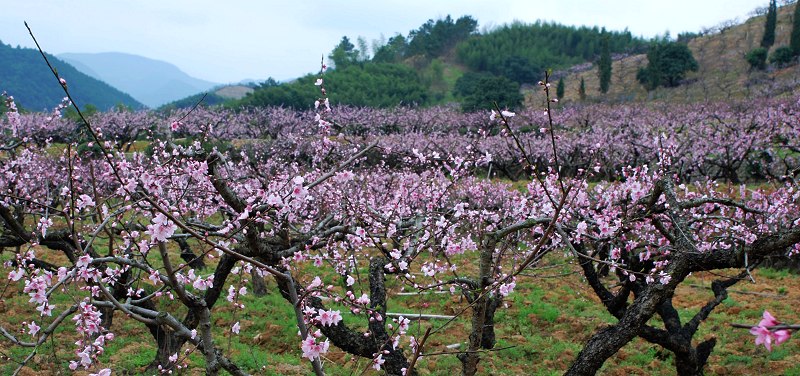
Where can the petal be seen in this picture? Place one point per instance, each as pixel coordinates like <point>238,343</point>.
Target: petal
<point>782,336</point>
<point>768,319</point>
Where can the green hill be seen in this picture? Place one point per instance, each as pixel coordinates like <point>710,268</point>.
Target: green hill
<point>424,66</point>
<point>25,76</point>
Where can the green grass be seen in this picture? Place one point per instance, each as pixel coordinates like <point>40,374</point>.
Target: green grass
<point>738,359</point>
<point>777,274</point>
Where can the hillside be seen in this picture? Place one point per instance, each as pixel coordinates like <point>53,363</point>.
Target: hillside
<point>723,72</point>
<point>214,97</point>
<point>438,53</point>
<point>152,82</point>
<point>25,76</point>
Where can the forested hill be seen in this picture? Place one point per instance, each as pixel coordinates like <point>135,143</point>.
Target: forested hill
<point>522,52</point>
<point>25,76</point>
<point>424,65</point>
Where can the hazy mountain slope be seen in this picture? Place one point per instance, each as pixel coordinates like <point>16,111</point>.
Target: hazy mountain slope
<point>153,82</point>
<point>24,75</point>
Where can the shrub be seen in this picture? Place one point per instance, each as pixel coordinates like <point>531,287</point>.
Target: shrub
<point>757,58</point>
<point>782,56</point>
<point>667,65</point>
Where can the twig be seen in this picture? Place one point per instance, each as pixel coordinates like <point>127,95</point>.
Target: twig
<point>420,316</point>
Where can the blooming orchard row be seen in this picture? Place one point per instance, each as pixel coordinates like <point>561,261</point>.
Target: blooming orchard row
<point>731,141</point>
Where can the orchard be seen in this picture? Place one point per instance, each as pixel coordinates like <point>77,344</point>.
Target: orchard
<point>161,222</point>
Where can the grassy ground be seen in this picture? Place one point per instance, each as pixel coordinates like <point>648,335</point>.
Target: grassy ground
<point>547,319</point>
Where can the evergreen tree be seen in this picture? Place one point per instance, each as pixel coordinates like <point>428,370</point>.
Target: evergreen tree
<point>560,88</point>
<point>769,25</point>
<point>479,91</point>
<point>344,54</point>
<point>393,51</point>
<point>604,65</point>
<point>794,42</point>
<point>582,90</point>
<point>757,58</point>
<point>667,64</point>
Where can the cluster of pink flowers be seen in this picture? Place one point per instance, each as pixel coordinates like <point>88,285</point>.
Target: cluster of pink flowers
<point>161,229</point>
<point>329,317</point>
<point>313,349</point>
<point>767,336</point>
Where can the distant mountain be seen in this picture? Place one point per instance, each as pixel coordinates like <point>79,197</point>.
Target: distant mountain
<point>25,76</point>
<point>153,82</point>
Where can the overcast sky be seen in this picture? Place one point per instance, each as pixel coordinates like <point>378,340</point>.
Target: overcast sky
<point>227,41</point>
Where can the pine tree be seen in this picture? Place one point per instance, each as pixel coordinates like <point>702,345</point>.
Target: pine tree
<point>604,65</point>
<point>769,25</point>
<point>560,88</point>
<point>582,90</point>
<point>794,42</point>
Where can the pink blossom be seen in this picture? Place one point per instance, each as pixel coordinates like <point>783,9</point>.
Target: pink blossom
<point>768,320</point>
<point>506,288</point>
<point>83,261</point>
<point>102,372</point>
<point>315,283</point>
<point>766,337</point>
<point>86,359</point>
<point>16,275</point>
<point>161,229</point>
<point>84,201</point>
<point>235,328</point>
<point>33,328</point>
<point>378,362</point>
<point>328,318</point>
<point>364,299</point>
<point>312,349</point>
<point>43,225</point>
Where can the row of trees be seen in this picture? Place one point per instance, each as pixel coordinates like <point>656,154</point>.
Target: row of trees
<point>368,84</point>
<point>783,55</point>
<point>516,50</point>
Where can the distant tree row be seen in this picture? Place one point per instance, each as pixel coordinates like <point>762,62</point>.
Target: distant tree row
<point>522,51</point>
<point>366,84</point>
<point>430,40</point>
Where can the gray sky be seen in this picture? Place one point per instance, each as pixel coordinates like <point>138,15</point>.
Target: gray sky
<point>227,41</point>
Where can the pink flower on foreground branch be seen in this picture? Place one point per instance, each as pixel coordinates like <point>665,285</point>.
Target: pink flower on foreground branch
<point>764,336</point>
